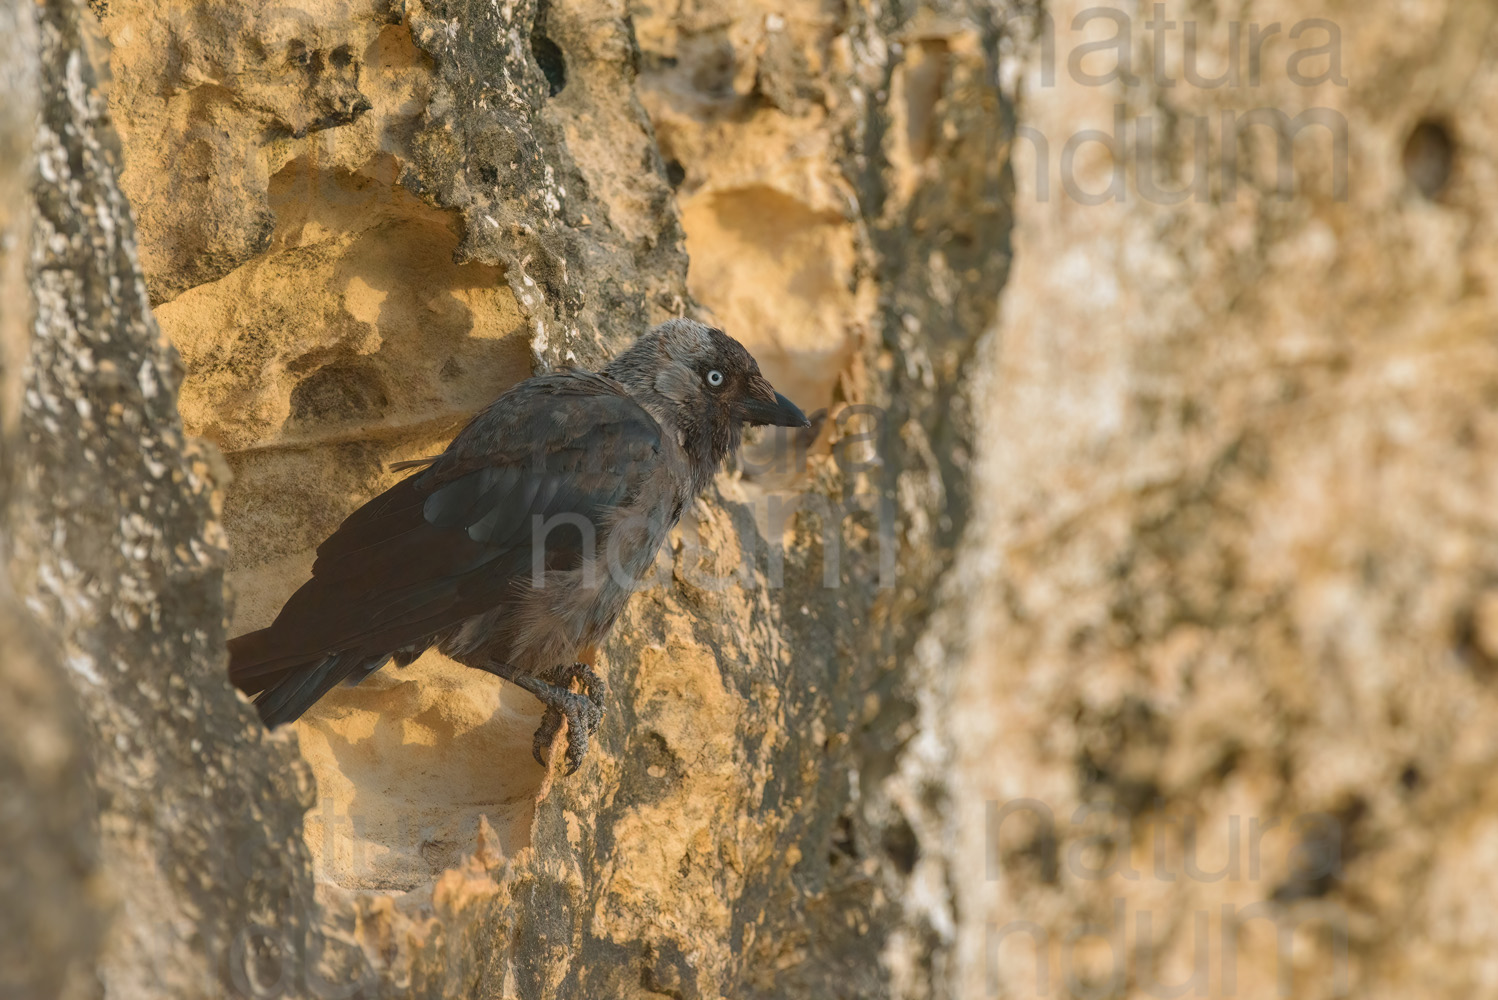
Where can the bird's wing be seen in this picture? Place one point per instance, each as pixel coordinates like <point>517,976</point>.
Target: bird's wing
<point>450,542</point>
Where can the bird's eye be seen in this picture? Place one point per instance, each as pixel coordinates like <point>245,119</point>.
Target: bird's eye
<point>715,378</point>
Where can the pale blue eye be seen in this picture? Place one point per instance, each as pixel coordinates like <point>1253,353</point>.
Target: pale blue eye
<point>715,378</point>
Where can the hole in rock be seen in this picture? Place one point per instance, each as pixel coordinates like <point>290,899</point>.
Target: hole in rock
<point>843,844</point>
<point>547,53</point>
<point>387,330</point>
<point>553,66</point>
<point>778,275</point>
<point>901,844</point>
<point>340,391</point>
<point>1429,156</point>
<point>713,65</point>
<point>408,764</point>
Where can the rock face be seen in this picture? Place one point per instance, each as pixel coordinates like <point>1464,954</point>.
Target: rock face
<point>50,924</point>
<point>358,224</point>
<point>1146,533</point>
<point>1243,528</point>
<point>118,548</point>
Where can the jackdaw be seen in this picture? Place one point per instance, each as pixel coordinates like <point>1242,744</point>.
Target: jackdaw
<point>516,548</point>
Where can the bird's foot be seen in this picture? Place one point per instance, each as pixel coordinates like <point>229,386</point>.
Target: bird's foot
<point>592,685</point>
<point>583,712</point>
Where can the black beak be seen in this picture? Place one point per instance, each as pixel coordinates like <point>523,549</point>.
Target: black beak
<point>781,413</point>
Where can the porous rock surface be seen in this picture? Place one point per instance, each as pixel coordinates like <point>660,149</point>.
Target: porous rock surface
<point>1178,524</point>
<point>358,223</point>
<point>51,920</point>
<point>1235,633</point>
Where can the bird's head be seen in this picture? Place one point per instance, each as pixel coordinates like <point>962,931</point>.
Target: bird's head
<point>703,385</point>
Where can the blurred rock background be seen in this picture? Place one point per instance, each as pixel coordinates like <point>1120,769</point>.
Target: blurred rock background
<point>1129,624</point>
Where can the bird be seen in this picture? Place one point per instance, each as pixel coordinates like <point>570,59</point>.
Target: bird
<point>517,548</point>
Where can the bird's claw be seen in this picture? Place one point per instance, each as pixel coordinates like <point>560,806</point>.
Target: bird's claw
<point>551,724</point>
<point>582,711</point>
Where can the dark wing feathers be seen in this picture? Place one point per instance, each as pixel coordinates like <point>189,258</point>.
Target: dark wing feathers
<point>460,502</point>
<point>288,700</point>
<point>448,542</point>
<point>487,526</point>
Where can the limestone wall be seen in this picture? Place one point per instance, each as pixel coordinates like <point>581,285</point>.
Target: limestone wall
<point>1145,530</point>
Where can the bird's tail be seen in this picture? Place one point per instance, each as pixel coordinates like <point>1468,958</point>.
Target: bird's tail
<point>286,685</point>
